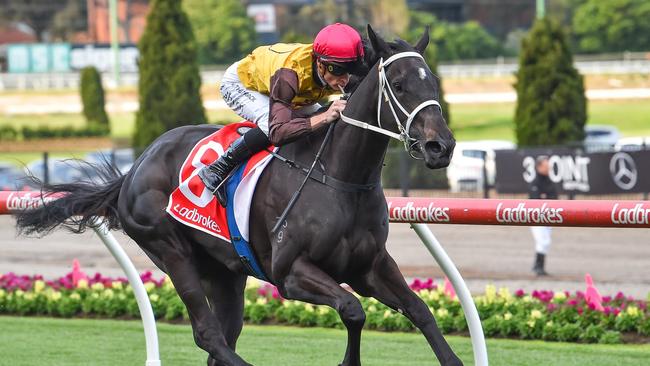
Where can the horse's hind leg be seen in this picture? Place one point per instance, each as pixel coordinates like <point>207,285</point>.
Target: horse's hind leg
<point>306,282</point>
<point>385,283</point>
<point>225,294</point>
<point>182,269</point>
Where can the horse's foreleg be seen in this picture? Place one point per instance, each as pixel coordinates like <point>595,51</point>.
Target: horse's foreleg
<point>385,283</point>
<point>306,282</point>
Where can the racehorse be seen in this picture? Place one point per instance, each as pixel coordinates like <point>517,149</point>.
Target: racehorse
<point>336,232</point>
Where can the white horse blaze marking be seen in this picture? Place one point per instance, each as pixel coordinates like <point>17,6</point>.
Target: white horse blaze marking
<point>423,73</point>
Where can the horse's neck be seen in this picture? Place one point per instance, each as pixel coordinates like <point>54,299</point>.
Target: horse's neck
<point>356,155</point>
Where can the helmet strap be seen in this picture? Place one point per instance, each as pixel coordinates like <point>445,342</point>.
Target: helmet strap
<point>321,77</point>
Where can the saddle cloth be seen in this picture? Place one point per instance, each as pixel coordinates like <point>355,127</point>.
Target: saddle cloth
<point>194,205</point>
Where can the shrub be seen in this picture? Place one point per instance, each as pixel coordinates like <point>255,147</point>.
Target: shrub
<point>644,327</point>
<point>592,334</point>
<point>44,132</point>
<point>551,104</point>
<point>8,133</point>
<point>522,316</point>
<point>610,337</point>
<point>569,332</point>
<point>92,97</point>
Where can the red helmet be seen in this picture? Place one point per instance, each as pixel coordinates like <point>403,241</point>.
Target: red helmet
<point>338,43</point>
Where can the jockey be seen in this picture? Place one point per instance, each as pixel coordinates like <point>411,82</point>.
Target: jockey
<point>277,87</point>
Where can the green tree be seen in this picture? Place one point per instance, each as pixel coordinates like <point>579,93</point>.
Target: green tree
<point>224,33</point>
<point>613,26</point>
<point>303,26</point>
<point>92,97</point>
<point>563,11</point>
<point>389,17</point>
<point>551,104</point>
<point>38,14</point>
<point>169,84</point>
<point>70,20</point>
<point>418,23</point>
<point>454,41</point>
<point>464,41</point>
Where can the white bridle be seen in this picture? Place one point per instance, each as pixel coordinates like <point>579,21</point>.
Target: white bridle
<point>389,96</point>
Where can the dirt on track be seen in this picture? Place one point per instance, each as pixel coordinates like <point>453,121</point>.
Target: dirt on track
<point>618,259</point>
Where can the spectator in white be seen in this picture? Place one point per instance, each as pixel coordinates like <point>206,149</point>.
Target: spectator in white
<point>541,188</point>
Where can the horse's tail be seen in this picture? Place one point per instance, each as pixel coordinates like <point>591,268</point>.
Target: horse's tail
<point>78,205</point>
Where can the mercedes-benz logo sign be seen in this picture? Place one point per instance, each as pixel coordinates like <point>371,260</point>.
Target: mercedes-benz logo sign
<point>623,171</point>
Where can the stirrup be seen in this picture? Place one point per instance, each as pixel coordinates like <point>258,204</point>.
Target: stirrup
<point>220,191</point>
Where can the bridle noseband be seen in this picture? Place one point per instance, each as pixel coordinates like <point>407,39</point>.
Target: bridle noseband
<point>385,90</point>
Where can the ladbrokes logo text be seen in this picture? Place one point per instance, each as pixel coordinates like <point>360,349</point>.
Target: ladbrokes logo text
<point>521,214</point>
<point>429,213</point>
<point>637,215</point>
<point>194,216</point>
<point>24,201</point>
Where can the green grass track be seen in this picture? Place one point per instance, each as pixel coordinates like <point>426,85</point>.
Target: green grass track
<point>71,342</point>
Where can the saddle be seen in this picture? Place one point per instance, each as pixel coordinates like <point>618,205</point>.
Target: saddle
<point>192,204</point>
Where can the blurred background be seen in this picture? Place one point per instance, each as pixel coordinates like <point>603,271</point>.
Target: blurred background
<point>565,78</point>
<point>69,80</point>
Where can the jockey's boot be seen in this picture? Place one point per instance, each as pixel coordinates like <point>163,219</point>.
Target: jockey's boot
<point>538,268</point>
<point>240,150</point>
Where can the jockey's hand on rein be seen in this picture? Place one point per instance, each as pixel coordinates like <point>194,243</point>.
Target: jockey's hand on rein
<point>334,111</point>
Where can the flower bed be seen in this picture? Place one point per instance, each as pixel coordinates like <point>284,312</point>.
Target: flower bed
<point>542,315</point>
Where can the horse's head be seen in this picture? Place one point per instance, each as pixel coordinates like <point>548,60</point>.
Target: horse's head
<point>409,100</point>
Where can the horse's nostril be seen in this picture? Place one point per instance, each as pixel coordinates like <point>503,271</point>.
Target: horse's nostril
<point>434,147</point>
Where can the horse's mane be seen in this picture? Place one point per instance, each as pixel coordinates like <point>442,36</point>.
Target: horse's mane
<point>370,55</point>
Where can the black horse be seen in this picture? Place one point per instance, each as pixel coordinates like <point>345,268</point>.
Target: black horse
<point>334,234</point>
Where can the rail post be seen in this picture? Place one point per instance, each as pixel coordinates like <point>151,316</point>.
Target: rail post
<point>141,296</point>
<point>464,296</point>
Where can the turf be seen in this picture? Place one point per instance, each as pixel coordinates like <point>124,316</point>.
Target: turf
<point>72,342</point>
<point>496,121</point>
<point>469,121</point>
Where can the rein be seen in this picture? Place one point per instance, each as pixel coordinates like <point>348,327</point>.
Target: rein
<point>389,97</point>
<point>296,194</point>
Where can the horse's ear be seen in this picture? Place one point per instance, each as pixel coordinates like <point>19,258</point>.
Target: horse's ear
<point>378,44</point>
<point>423,42</point>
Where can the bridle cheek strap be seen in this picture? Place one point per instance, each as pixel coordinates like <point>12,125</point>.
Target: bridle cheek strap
<point>388,95</point>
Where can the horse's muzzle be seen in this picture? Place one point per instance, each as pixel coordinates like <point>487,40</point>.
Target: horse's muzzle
<point>437,153</point>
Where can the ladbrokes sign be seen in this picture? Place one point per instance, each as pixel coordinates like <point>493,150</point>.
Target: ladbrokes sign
<point>583,213</point>
<point>19,201</point>
<point>593,173</point>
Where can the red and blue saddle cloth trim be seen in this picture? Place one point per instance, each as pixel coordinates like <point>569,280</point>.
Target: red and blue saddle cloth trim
<point>242,247</point>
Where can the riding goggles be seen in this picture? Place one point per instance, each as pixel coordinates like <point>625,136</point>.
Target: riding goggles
<point>339,69</point>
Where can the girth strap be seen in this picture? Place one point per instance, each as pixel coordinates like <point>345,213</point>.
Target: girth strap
<point>325,179</point>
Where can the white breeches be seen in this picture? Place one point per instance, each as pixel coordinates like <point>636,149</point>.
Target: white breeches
<point>249,104</point>
<point>542,236</point>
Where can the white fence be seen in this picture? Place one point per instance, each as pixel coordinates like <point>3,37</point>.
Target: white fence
<point>496,68</point>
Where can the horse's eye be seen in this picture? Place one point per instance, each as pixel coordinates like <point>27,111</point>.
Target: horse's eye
<point>397,86</point>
